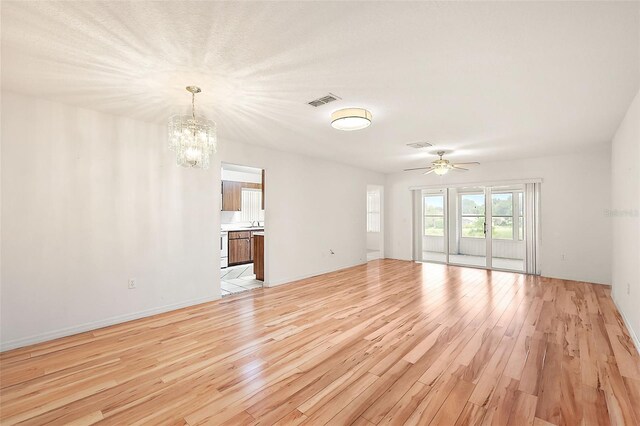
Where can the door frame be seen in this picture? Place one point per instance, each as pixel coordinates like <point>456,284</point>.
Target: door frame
<point>486,192</point>
<point>531,237</point>
<point>380,189</point>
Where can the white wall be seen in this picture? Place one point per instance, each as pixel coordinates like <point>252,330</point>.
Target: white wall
<point>236,176</point>
<point>311,206</point>
<point>625,218</point>
<point>90,200</point>
<point>375,240</point>
<point>575,195</point>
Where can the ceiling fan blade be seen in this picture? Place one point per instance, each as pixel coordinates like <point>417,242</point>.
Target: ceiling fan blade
<point>417,168</point>
<point>430,171</point>
<point>462,164</point>
<point>455,167</point>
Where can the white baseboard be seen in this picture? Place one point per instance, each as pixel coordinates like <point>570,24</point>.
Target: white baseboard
<point>55,334</point>
<point>314,274</point>
<point>632,333</point>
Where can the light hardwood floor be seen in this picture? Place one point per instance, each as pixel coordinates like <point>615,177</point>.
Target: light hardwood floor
<point>391,342</point>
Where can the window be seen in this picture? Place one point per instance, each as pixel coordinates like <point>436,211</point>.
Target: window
<point>502,216</point>
<point>521,216</point>
<point>472,212</point>
<point>433,208</point>
<point>251,203</point>
<point>373,211</point>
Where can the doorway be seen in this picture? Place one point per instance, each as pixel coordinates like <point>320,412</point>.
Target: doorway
<point>375,222</point>
<point>492,227</point>
<point>242,229</point>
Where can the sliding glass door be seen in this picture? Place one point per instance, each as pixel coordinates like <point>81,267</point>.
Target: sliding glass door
<point>433,229</point>
<point>478,226</point>
<point>469,243</point>
<point>507,228</point>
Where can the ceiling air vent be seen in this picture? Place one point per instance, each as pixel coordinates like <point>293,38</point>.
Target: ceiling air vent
<point>324,100</point>
<point>418,145</point>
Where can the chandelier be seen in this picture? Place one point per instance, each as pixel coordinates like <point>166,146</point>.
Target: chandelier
<point>193,139</point>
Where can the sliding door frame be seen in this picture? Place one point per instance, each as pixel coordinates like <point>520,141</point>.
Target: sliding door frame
<point>531,225</point>
<point>487,220</point>
<point>444,191</point>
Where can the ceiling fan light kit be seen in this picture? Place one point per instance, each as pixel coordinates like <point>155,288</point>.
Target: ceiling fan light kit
<point>441,171</point>
<point>441,166</point>
<point>349,119</point>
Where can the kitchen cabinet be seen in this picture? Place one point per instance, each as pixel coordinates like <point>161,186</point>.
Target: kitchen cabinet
<point>231,196</point>
<point>253,255</point>
<point>239,247</point>
<point>251,246</point>
<point>258,256</point>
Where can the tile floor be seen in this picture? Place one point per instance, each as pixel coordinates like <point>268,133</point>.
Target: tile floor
<point>239,278</point>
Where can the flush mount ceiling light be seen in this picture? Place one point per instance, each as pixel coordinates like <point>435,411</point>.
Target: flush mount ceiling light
<point>351,119</point>
<point>193,139</point>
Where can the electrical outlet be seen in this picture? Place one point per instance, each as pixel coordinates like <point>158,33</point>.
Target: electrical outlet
<point>628,289</point>
<point>132,283</point>
<point>562,257</point>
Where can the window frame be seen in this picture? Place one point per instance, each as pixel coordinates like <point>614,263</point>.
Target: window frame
<point>520,216</point>
<point>462,215</point>
<point>425,215</point>
<point>244,214</point>
<point>512,216</point>
<point>374,210</point>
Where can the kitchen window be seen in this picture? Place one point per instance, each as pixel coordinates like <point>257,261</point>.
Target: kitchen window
<point>251,203</point>
<point>433,215</point>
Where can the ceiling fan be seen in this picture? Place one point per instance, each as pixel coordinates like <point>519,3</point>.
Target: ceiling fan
<point>442,166</point>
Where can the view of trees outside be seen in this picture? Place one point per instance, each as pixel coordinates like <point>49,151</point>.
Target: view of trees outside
<point>502,216</point>
<point>433,215</point>
<point>473,215</point>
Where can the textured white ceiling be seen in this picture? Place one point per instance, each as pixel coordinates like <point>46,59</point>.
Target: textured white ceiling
<point>484,80</point>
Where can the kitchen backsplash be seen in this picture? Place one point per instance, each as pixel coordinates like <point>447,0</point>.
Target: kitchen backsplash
<point>235,217</point>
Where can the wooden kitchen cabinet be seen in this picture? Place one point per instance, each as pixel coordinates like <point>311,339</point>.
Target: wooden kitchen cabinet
<point>258,256</point>
<point>231,196</point>
<point>239,248</point>
<point>251,246</point>
<point>253,252</point>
